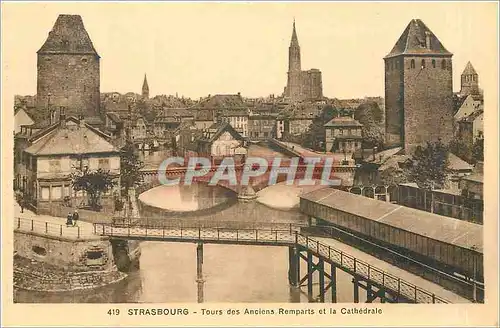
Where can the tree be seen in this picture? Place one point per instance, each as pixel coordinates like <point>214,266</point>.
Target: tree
<point>428,167</point>
<point>478,150</point>
<point>314,138</point>
<point>130,167</point>
<point>371,116</point>
<point>393,176</point>
<point>94,183</point>
<point>461,149</point>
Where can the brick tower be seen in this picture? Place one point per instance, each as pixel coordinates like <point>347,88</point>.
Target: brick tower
<point>469,81</point>
<point>418,89</point>
<point>69,70</point>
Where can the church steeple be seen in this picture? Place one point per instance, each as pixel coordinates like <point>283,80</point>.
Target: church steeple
<point>145,88</point>
<point>469,81</point>
<point>294,52</point>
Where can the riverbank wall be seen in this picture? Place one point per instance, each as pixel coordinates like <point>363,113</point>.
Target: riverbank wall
<point>48,262</point>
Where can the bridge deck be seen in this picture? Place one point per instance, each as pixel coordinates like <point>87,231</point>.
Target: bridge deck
<point>270,237</point>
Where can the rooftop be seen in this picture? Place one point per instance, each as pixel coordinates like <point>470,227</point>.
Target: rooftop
<point>413,41</point>
<point>469,69</point>
<point>68,36</point>
<point>72,139</point>
<point>343,121</point>
<point>448,230</point>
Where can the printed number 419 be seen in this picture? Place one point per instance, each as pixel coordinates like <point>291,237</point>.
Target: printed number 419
<point>114,311</point>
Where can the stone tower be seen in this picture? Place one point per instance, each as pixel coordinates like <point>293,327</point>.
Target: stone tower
<point>294,83</point>
<point>418,89</point>
<point>469,81</point>
<point>68,70</point>
<point>145,88</point>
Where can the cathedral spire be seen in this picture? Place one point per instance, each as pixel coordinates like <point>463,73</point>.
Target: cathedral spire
<point>294,52</point>
<point>295,41</point>
<point>145,88</point>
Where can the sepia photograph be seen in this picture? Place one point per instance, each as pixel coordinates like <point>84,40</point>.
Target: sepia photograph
<point>252,154</point>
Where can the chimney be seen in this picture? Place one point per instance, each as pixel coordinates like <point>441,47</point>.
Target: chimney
<point>428,40</point>
<point>62,117</point>
<point>81,121</point>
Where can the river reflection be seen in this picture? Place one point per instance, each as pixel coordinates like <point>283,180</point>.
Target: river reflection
<point>184,198</point>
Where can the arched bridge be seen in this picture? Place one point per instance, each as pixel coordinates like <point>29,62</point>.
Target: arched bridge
<point>337,174</point>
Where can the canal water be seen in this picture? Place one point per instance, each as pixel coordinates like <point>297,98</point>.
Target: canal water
<point>232,273</point>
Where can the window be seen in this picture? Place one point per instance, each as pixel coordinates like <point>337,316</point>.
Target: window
<point>423,63</point>
<point>433,63</point>
<point>397,64</point>
<point>104,163</point>
<point>56,192</point>
<point>55,166</point>
<point>412,63</point>
<point>443,64</point>
<point>45,192</point>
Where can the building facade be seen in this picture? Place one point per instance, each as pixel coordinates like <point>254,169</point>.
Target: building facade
<point>418,89</point>
<point>343,135</point>
<point>68,69</point>
<point>57,152</point>
<point>301,85</point>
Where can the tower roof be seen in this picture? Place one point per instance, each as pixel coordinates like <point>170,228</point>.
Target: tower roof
<point>68,35</point>
<point>295,41</point>
<point>145,85</point>
<point>414,40</point>
<point>469,70</point>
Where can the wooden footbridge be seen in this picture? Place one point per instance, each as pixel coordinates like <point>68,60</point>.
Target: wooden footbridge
<point>318,257</point>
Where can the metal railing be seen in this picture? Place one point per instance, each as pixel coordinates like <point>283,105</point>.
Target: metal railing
<point>277,237</point>
<point>188,223</point>
<point>48,228</point>
<point>257,236</point>
<point>362,269</point>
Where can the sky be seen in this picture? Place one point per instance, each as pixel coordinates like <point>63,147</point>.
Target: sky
<point>196,49</point>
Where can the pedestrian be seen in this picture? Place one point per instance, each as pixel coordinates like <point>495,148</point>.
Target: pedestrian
<point>69,220</point>
<point>76,216</point>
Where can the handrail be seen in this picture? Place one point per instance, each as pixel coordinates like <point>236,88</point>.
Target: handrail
<point>47,228</point>
<point>173,222</point>
<point>365,270</point>
<point>291,237</point>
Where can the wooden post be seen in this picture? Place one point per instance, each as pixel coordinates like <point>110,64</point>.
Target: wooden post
<point>333,287</point>
<point>356,290</point>
<point>293,263</point>
<point>321,268</point>
<point>199,271</point>
<point>309,275</point>
<point>369,293</point>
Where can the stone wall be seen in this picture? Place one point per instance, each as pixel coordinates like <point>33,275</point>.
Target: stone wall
<point>72,80</point>
<point>428,101</point>
<point>393,101</point>
<point>68,254</point>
